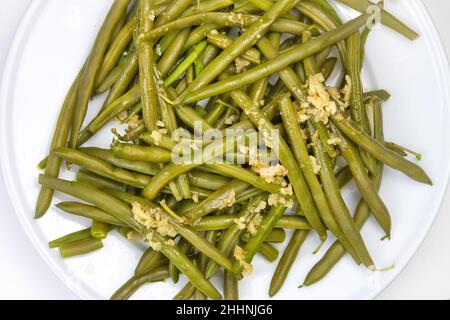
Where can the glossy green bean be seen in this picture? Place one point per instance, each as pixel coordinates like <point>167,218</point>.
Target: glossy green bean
<point>207,180</point>
<point>75,236</point>
<point>99,181</point>
<point>102,167</point>
<point>365,186</point>
<point>93,65</point>
<point>173,52</point>
<point>143,167</point>
<point>223,41</point>
<point>268,252</point>
<point>287,260</point>
<point>380,152</point>
<point>138,153</point>
<point>122,211</point>
<point>174,273</point>
<point>90,212</point>
<point>136,282</point>
<point>99,230</point>
<point>230,287</point>
<point>149,261</point>
<point>293,55</point>
<point>386,18</point>
<point>80,247</point>
<point>60,136</point>
<point>147,66</point>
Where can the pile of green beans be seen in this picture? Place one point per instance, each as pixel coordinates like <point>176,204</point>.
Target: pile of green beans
<point>177,71</point>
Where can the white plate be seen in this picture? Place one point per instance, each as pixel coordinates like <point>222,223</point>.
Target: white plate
<point>48,50</point>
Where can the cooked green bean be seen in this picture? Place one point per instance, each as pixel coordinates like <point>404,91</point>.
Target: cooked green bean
<point>293,55</point>
<point>72,237</point>
<point>368,191</point>
<point>230,286</point>
<point>223,41</point>
<point>99,230</point>
<point>147,66</point>
<point>381,153</point>
<point>138,153</point>
<point>93,65</point>
<point>207,180</point>
<point>99,181</point>
<point>123,212</point>
<point>149,261</point>
<point>60,136</point>
<point>143,167</point>
<point>269,252</point>
<point>80,247</point>
<point>132,285</point>
<point>287,260</point>
<point>386,18</point>
<point>89,212</point>
<point>173,52</point>
<point>174,273</point>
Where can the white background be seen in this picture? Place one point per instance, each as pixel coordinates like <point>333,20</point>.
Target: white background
<point>24,275</point>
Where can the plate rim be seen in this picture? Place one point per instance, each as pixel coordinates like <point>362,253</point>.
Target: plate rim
<point>435,41</point>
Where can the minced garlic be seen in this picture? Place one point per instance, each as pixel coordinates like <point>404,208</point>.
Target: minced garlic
<point>156,136</point>
<point>153,218</point>
<point>241,223</point>
<point>160,124</point>
<point>156,245</point>
<point>334,141</point>
<point>195,198</point>
<point>318,103</point>
<point>271,174</point>
<point>240,255</point>
<point>347,90</point>
<point>241,64</point>
<point>133,236</point>
<point>315,164</point>
<point>278,199</point>
<point>227,200</point>
<point>254,224</point>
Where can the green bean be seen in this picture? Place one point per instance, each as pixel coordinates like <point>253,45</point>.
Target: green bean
<point>172,170</point>
<point>380,152</point>
<point>381,94</point>
<point>149,261</point>
<point>132,285</point>
<point>207,180</point>
<point>340,209</point>
<point>60,136</point>
<point>198,64</point>
<point>99,230</point>
<point>89,212</point>
<point>163,141</point>
<point>255,242</point>
<point>138,153</point>
<point>215,201</point>
<point>223,41</point>
<point>190,118</point>
<point>80,247</point>
<point>220,19</point>
<point>326,21</point>
<point>122,211</point>
<point>328,9</point>
<point>93,64</point>
<point>343,177</point>
<point>108,155</point>
<point>293,55</point>
<point>287,260</point>
<point>112,77</point>
<point>230,286</point>
<point>336,251</point>
<point>386,18</point>
<point>287,159</point>
<point>120,86</point>
<point>237,172</point>
<point>116,49</point>
<point>242,44</point>
<point>328,67</point>
<point>266,5</point>
<point>147,66</point>
<point>185,293</point>
<point>125,102</point>
<point>357,107</point>
<point>368,191</point>
<point>102,167</point>
<point>303,159</point>
<point>269,252</point>
<point>99,181</point>
<point>187,62</point>
<point>276,236</point>
<point>173,52</point>
<point>174,273</point>
<point>72,237</point>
